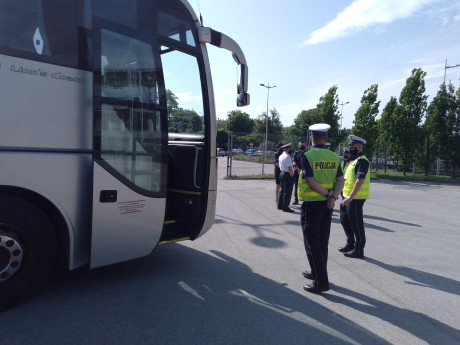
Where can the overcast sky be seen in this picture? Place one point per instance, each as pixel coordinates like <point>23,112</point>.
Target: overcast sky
<point>304,47</point>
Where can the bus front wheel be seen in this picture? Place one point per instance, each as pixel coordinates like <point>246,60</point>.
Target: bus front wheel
<point>28,249</point>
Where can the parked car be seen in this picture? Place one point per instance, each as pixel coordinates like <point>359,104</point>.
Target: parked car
<point>249,152</point>
<point>237,152</point>
<point>220,152</point>
<point>257,153</point>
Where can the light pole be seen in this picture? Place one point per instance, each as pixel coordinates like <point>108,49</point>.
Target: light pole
<point>446,66</point>
<point>340,128</point>
<point>266,125</point>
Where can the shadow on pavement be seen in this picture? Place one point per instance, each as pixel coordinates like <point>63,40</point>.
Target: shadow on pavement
<point>421,278</point>
<point>177,295</point>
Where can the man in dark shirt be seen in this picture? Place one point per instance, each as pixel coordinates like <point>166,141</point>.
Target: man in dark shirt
<point>279,147</point>
<point>296,163</point>
<point>319,187</point>
<point>355,193</point>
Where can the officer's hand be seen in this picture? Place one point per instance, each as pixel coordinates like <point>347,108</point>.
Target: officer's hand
<point>331,203</point>
<point>346,201</point>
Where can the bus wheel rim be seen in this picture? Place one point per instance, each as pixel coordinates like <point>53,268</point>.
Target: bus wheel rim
<point>10,257</point>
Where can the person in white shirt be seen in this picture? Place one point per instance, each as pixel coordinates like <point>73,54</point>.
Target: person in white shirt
<point>286,179</point>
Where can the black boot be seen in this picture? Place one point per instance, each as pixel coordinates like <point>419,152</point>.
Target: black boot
<point>346,248</point>
<point>355,253</point>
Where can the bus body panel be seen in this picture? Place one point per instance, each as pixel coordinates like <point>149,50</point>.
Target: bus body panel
<point>47,107</point>
<point>66,181</point>
<point>126,228</point>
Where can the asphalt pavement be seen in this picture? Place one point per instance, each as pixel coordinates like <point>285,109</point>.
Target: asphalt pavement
<point>241,283</point>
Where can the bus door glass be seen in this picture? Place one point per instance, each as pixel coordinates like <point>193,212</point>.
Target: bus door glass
<point>130,148</point>
<point>188,119</point>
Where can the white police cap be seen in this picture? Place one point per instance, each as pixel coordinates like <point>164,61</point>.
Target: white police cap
<point>319,129</point>
<point>287,145</point>
<point>354,139</point>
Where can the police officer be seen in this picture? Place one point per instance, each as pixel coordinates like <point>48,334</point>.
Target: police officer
<point>355,193</point>
<point>296,163</point>
<point>277,170</point>
<point>344,220</point>
<point>286,178</point>
<point>320,184</point>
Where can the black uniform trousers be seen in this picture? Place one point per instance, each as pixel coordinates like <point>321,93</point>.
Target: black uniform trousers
<point>284,197</point>
<point>296,184</point>
<point>315,219</point>
<point>345,221</point>
<point>354,220</point>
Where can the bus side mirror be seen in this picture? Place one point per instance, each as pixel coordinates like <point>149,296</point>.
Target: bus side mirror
<point>242,99</point>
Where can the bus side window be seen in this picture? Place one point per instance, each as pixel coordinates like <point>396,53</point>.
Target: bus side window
<point>40,29</point>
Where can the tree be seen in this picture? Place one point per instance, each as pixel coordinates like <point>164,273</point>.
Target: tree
<point>171,102</point>
<point>435,129</point>
<point>406,134</point>
<point>365,125</point>
<point>185,121</point>
<point>274,123</point>
<point>451,147</point>
<point>385,126</point>
<point>327,109</point>
<point>303,121</point>
<point>222,138</point>
<point>239,121</point>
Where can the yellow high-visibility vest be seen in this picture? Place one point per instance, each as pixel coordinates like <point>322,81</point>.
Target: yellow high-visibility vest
<point>324,164</point>
<point>350,180</point>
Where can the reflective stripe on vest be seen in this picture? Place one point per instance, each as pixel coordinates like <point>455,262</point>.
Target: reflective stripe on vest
<point>324,164</point>
<point>350,180</point>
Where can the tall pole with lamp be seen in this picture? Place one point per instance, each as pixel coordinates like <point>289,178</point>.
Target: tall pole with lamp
<point>266,125</point>
<point>446,66</point>
<point>340,127</point>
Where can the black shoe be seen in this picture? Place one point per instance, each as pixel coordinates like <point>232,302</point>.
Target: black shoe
<point>346,248</point>
<point>356,253</point>
<point>307,275</point>
<point>296,202</point>
<point>289,210</point>
<point>316,288</point>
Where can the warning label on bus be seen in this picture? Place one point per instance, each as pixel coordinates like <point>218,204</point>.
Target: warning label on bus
<point>132,206</point>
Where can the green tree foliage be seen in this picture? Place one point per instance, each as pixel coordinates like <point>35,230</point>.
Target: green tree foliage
<point>171,102</point>
<point>239,121</point>
<point>365,124</point>
<point>327,109</point>
<point>435,129</point>
<point>385,126</point>
<point>451,148</point>
<point>185,121</point>
<point>222,138</point>
<point>406,133</point>
<point>303,121</point>
<point>274,123</point>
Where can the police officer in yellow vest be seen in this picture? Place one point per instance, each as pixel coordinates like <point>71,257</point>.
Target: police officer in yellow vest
<point>320,184</point>
<point>344,220</point>
<point>355,193</point>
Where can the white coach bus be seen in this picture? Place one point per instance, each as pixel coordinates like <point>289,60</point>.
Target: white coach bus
<point>93,170</point>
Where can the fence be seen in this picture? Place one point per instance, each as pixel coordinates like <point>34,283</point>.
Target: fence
<point>246,154</point>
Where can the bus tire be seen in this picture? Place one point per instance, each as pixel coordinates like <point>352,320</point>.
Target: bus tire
<point>28,249</point>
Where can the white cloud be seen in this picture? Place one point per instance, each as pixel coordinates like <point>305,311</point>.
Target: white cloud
<point>362,14</point>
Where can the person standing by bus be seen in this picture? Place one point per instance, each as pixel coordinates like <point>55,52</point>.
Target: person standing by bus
<point>319,187</point>
<point>279,147</point>
<point>286,178</point>
<point>355,192</point>
<point>344,220</point>
<point>296,163</point>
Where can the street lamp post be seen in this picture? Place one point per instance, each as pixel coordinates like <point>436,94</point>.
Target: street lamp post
<point>266,125</point>
<point>446,66</point>
<point>340,128</point>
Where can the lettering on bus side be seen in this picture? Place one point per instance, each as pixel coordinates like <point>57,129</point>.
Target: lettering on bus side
<point>325,165</point>
<point>41,73</point>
